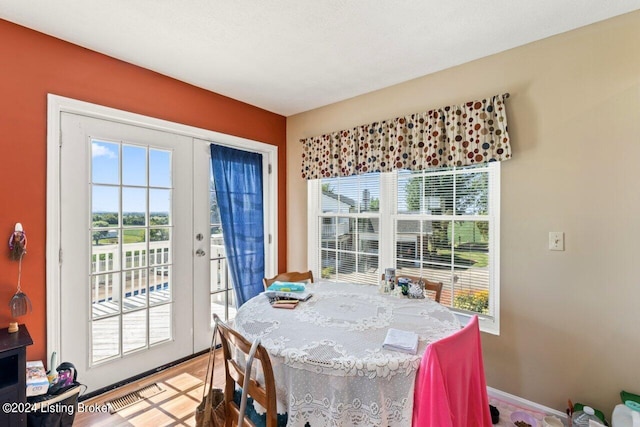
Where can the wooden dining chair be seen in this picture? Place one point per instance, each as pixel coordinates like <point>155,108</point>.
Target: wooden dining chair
<point>291,276</point>
<point>435,287</point>
<point>262,391</point>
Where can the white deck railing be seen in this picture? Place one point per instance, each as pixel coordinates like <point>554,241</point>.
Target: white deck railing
<point>105,268</point>
<point>107,301</point>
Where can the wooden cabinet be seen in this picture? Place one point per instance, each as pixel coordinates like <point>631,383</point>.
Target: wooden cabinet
<point>13,389</point>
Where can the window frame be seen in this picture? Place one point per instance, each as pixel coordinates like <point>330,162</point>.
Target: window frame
<point>388,208</point>
<point>319,219</point>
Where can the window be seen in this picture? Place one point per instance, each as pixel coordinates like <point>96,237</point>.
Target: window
<point>442,224</point>
<point>347,224</point>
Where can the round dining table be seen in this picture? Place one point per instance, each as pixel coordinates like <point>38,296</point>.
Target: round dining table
<point>328,361</point>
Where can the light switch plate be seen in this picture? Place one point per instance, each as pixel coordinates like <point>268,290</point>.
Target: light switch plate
<point>556,241</point>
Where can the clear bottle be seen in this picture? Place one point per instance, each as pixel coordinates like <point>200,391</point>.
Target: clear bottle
<point>383,288</point>
<point>581,418</point>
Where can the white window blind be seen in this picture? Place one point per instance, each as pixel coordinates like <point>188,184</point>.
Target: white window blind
<point>348,224</point>
<point>441,224</point>
<point>443,232</point>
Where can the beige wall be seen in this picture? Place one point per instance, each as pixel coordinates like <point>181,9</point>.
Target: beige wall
<point>570,320</point>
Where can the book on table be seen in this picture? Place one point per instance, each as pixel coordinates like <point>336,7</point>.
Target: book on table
<point>285,303</point>
<point>286,287</point>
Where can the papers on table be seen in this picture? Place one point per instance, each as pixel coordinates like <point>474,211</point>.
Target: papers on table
<point>301,296</point>
<point>398,340</point>
<point>288,291</point>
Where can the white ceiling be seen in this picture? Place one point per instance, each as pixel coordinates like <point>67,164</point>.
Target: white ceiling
<point>290,56</point>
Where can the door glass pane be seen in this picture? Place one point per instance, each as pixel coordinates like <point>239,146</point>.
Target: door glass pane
<point>131,231</point>
<point>134,331</point>
<point>104,250</point>
<point>224,304</point>
<point>159,323</point>
<point>159,168</point>
<point>134,206</point>
<point>160,254</point>
<point>106,339</point>
<point>160,285</point>
<point>105,162</point>
<point>219,271</point>
<point>105,295</point>
<point>218,304</point>
<point>159,245</point>
<point>105,206</point>
<point>134,247</point>
<point>135,290</point>
<point>134,165</point>
<point>159,205</point>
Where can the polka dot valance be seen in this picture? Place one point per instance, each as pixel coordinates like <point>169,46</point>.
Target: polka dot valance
<point>456,135</point>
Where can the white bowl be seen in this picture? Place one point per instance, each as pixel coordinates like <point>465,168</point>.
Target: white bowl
<point>552,421</point>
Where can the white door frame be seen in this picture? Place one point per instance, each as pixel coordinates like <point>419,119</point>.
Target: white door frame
<point>58,104</point>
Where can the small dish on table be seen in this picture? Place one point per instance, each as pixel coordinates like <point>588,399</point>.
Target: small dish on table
<point>523,419</point>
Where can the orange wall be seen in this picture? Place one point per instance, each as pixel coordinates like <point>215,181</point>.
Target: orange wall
<point>32,65</point>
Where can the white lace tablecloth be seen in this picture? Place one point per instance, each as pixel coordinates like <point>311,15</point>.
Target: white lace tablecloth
<point>327,354</point>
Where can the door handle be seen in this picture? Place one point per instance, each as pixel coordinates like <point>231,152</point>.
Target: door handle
<point>200,252</point>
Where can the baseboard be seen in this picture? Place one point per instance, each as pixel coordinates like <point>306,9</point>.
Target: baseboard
<point>523,403</point>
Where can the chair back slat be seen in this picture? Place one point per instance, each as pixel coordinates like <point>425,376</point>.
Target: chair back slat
<point>290,276</point>
<point>263,392</point>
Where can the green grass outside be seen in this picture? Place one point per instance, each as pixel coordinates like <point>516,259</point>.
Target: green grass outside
<point>129,236</point>
<point>466,232</point>
<point>134,236</point>
<point>480,259</point>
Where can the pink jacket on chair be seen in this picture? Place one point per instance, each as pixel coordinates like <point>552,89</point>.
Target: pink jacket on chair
<point>451,389</point>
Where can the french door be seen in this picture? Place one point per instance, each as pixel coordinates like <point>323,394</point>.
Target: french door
<point>129,256</point>
<point>135,256</point>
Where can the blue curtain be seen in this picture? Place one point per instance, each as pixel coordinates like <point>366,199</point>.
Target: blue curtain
<point>237,177</point>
